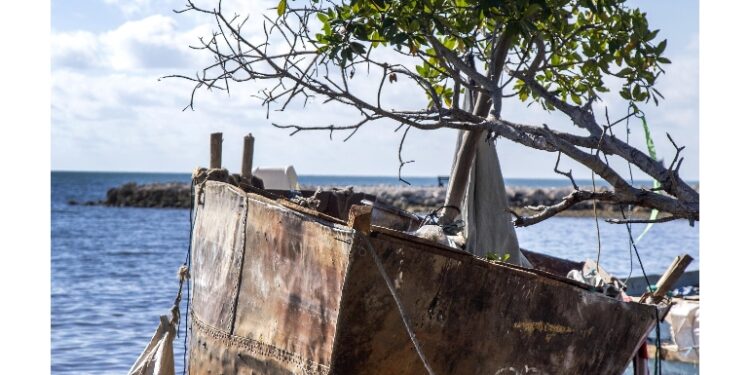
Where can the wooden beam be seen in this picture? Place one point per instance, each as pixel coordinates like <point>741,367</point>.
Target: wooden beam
<point>216,139</point>
<point>247,156</point>
<point>360,218</point>
<point>669,278</point>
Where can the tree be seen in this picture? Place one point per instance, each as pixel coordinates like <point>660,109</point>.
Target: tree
<point>553,54</point>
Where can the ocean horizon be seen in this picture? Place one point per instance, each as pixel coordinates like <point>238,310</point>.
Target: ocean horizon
<point>357,180</point>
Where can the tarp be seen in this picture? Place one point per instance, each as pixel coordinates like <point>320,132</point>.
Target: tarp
<point>158,357</point>
<point>485,208</point>
<point>684,320</point>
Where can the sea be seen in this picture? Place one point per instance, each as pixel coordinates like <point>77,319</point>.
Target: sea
<point>114,269</point>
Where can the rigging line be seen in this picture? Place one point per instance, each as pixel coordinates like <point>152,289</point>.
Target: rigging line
<point>400,307</point>
<point>630,234</point>
<point>631,247</point>
<point>630,206</point>
<point>657,356</point>
<point>596,220</point>
<point>188,261</point>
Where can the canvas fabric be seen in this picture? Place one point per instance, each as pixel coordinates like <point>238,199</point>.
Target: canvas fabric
<point>158,357</point>
<point>485,208</point>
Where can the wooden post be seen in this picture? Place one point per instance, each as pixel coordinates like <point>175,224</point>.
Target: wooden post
<point>665,283</point>
<point>247,156</point>
<point>216,139</point>
<point>675,270</point>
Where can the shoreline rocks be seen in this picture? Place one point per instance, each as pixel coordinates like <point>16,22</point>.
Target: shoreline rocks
<point>420,199</point>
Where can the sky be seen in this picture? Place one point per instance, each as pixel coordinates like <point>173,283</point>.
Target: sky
<point>112,112</point>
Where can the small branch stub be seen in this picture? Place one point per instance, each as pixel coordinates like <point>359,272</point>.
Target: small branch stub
<point>247,156</point>
<point>216,140</point>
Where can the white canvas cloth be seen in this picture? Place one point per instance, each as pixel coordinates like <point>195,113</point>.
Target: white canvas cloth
<point>158,357</point>
<point>684,321</point>
<point>484,209</point>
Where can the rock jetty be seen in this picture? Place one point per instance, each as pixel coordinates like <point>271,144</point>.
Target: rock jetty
<point>149,195</point>
<point>420,199</point>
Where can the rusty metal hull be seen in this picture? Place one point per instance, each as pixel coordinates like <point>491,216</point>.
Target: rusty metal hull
<point>278,291</point>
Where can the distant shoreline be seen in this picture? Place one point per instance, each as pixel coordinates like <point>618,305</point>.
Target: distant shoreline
<point>418,199</point>
<point>368,181</point>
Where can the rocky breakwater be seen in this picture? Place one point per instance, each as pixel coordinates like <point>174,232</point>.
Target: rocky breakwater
<point>166,195</point>
<point>161,195</point>
<point>522,199</point>
<point>419,199</point>
<point>149,195</point>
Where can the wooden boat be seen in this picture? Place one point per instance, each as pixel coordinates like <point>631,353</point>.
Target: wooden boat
<point>283,289</point>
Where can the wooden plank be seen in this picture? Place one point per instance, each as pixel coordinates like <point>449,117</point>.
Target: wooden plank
<point>360,218</point>
<point>216,140</point>
<point>673,273</point>
<point>217,253</point>
<point>669,278</point>
<point>291,285</point>
<point>474,317</point>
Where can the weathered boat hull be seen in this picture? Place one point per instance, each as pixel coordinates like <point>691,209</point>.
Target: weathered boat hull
<point>277,291</point>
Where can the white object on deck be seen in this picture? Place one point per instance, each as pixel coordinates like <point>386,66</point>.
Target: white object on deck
<point>684,320</point>
<point>283,178</point>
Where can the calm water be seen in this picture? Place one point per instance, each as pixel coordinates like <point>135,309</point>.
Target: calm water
<point>114,269</point>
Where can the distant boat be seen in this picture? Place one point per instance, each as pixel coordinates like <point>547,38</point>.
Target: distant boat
<point>279,288</point>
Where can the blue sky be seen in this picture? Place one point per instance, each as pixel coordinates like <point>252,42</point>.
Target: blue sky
<point>110,112</point>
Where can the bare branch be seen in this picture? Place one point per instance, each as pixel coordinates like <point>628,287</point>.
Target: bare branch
<point>568,174</point>
<point>644,221</point>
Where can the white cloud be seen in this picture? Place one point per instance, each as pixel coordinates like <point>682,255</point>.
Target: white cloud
<point>131,7</point>
<point>75,49</point>
<point>150,43</point>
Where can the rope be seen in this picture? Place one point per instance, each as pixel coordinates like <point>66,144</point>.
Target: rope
<point>187,266</point>
<point>596,220</point>
<point>630,206</point>
<point>451,229</point>
<point>401,310</point>
<point>657,355</point>
<point>182,274</point>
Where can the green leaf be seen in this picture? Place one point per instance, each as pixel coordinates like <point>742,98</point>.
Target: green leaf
<point>625,93</point>
<point>523,95</point>
<point>661,47</point>
<point>624,72</point>
<point>380,4</point>
<point>450,43</point>
<point>663,60</point>
<point>555,60</point>
<point>281,8</point>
